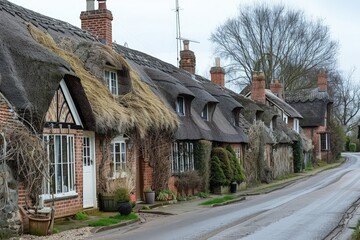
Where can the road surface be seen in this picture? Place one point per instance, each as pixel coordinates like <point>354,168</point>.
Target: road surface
<point>307,209</point>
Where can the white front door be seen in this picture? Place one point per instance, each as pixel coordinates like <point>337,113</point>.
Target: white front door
<point>89,180</point>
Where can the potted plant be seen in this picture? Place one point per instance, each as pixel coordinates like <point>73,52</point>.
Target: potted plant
<point>122,199</point>
<point>149,195</point>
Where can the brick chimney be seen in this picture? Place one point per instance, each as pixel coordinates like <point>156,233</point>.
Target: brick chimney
<point>187,58</point>
<point>98,21</point>
<point>277,88</point>
<point>258,87</point>
<point>322,80</point>
<point>218,73</point>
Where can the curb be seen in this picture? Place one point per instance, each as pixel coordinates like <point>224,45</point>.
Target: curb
<point>229,202</point>
<point>104,228</point>
<point>155,212</point>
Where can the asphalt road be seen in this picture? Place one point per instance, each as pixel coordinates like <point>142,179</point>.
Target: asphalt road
<point>307,209</point>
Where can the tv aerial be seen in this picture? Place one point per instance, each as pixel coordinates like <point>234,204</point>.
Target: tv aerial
<point>178,32</point>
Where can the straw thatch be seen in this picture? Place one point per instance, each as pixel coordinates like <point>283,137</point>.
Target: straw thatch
<point>139,111</point>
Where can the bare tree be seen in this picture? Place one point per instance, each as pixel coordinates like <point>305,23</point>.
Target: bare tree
<point>280,42</point>
<point>346,104</point>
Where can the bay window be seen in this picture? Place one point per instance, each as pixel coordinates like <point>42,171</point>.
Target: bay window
<point>61,154</point>
<point>182,157</point>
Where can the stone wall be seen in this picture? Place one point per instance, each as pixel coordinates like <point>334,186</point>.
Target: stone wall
<point>10,223</point>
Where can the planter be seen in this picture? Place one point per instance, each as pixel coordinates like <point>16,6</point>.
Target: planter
<point>107,203</point>
<point>39,225</point>
<point>124,208</point>
<point>149,197</point>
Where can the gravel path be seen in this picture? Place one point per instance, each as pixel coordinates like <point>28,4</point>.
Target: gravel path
<point>83,233</point>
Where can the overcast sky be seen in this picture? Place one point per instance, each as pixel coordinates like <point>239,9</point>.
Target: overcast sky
<point>149,25</point>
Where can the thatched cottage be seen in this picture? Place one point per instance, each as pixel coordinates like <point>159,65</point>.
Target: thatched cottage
<point>314,104</point>
<point>97,112</point>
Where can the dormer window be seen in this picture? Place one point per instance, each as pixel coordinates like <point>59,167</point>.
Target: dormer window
<point>112,82</point>
<point>205,113</point>
<point>180,106</point>
<point>285,119</point>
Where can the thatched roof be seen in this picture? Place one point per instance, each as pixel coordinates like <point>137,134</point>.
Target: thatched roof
<point>311,103</point>
<point>287,108</point>
<point>55,50</point>
<point>171,82</point>
<point>29,73</point>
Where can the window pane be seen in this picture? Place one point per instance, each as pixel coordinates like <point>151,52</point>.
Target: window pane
<point>62,169</point>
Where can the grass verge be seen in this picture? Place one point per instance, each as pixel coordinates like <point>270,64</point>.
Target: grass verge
<point>356,233</point>
<point>112,220</point>
<point>218,200</point>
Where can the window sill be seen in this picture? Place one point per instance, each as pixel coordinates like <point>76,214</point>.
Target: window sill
<point>58,197</point>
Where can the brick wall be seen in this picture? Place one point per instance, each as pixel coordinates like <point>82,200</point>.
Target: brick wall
<point>99,23</point>
<point>277,88</point>
<point>68,205</point>
<point>218,73</point>
<point>258,87</point>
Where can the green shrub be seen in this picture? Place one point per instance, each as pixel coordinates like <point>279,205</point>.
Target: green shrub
<point>298,155</point>
<point>165,195</point>
<point>347,144</point>
<point>352,147</point>
<point>121,195</point>
<point>225,165</point>
<point>81,216</point>
<point>202,195</point>
<point>202,157</point>
<point>217,176</point>
<point>238,170</point>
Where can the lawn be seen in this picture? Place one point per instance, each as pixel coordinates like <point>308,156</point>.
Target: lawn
<point>112,220</point>
<point>218,200</point>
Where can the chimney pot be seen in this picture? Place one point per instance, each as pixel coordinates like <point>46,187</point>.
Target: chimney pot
<point>186,44</point>
<point>90,5</point>
<point>217,62</point>
<point>102,4</point>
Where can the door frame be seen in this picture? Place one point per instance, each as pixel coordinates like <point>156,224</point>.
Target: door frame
<point>91,136</point>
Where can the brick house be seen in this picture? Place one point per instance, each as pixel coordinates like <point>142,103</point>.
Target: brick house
<point>280,119</point>
<point>315,106</point>
<point>65,79</point>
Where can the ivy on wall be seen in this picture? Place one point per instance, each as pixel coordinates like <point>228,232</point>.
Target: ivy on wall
<point>202,154</point>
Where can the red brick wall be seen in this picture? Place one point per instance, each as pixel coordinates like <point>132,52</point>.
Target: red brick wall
<point>218,76</point>
<point>277,89</point>
<point>68,205</point>
<point>258,87</point>
<point>99,23</point>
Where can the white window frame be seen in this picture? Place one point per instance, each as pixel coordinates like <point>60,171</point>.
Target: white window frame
<point>205,113</point>
<point>58,162</point>
<point>285,119</point>
<point>327,142</point>
<point>296,125</point>
<point>180,106</point>
<point>111,79</point>
<point>237,151</point>
<point>182,157</point>
<point>118,157</point>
